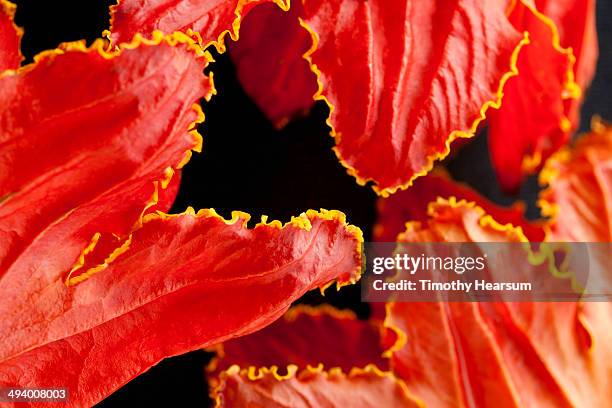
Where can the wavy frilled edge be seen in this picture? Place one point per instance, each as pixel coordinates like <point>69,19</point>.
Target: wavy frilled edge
<point>256,373</point>
<point>572,90</point>
<point>485,219</point>
<point>219,43</point>
<point>291,315</point>
<point>537,257</point>
<point>301,221</point>
<point>549,175</point>
<point>542,255</point>
<point>10,9</point>
<point>175,39</point>
<point>431,159</point>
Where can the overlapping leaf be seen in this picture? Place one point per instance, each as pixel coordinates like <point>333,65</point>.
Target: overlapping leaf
<point>412,204</point>
<point>578,181</point>
<point>88,141</point>
<point>341,341</point>
<point>411,89</point>
<point>311,388</point>
<point>544,354</point>
<point>185,282</point>
<point>580,189</point>
<point>564,348</point>
<point>268,57</point>
<point>150,286</point>
<point>209,20</point>
<point>321,343</point>
<point>539,109</point>
<point>10,37</point>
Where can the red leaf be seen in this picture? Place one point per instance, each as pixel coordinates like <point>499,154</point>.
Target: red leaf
<point>498,354</point>
<point>269,63</point>
<point>420,76</point>
<point>208,20</point>
<point>89,140</point>
<point>185,282</point>
<point>540,107</point>
<point>311,388</point>
<point>10,37</point>
<point>575,20</point>
<point>341,340</point>
<point>413,204</point>
<point>580,189</point>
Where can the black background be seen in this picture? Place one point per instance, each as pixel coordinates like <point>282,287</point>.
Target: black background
<point>248,165</point>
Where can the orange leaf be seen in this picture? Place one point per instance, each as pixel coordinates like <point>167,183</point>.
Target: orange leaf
<point>185,282</point>
<point>504,354</point>
<point>579,195</point>
<point>10,37</point>
<point>311,388</point>
<point>308,336</point>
